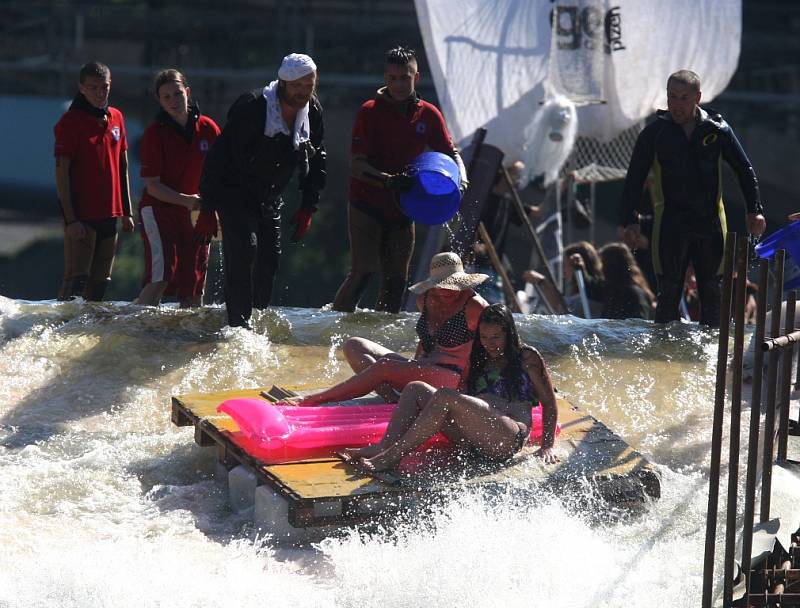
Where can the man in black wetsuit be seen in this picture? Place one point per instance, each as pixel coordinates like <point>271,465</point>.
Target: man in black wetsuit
<point>271,133</point>
<point>684,148</point>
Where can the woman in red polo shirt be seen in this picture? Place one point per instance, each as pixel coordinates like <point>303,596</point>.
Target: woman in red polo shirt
<point>173,150</point>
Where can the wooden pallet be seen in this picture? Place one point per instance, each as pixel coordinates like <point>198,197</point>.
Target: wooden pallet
<point>325,491</point>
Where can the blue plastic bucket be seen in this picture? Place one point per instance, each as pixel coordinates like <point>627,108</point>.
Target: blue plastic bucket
<point>787,238</point>
<point>434,198</point>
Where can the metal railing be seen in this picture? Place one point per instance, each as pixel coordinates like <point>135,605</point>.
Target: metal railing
<point>766,585</point>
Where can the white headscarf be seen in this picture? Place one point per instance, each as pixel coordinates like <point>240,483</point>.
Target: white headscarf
<point>296,65</point>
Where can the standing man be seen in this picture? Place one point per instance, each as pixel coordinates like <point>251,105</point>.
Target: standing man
<point>92,184</point>
<point>684,148</point>
<point>390,131</point>
<point>270,132</point>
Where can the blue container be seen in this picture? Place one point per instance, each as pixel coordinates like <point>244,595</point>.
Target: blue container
<point>434,198</point>
<point>787,238</point>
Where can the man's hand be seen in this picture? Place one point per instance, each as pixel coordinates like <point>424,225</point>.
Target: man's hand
<point>631,235</point>
<point>400,182</point>
<point>206,227</point>
<point>303,221</point>
<point>756,224</point>
<point>128,224</point>
<point>191,201</point>
<point>76,231</point>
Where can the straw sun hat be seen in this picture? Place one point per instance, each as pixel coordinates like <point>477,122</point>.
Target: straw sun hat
<point>447,272</point>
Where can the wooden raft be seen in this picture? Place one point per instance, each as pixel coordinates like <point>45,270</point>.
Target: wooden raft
<point>327,491</point>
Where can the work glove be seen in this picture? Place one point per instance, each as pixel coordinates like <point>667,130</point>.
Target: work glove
<point>206,227</point>
<point>400,182</point>
<point>303,221</point>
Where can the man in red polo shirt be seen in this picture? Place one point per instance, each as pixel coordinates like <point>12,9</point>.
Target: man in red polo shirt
<point>92,184</point>
<point>390,131</point>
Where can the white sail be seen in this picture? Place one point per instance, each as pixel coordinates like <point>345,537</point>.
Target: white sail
<point>491,59</point>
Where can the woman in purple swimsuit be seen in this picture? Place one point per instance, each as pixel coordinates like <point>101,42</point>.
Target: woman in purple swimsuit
<point>506,378</point>
<point>449,310</point>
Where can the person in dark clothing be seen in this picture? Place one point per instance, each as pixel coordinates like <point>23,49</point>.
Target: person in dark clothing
<point>684,147</point>
<point>269,134</point>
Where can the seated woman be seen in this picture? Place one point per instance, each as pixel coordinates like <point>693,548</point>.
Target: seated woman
<point>506,378</point>
<point>450,309</point>
<point>623,288</point>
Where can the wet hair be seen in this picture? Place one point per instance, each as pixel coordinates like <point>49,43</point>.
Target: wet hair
<point>686,77</point>
<point>498,314</point>
<point>594,267</point>
<point>169,75</point>
<point>621,274</point>
<point>94,69</point>
<point>401,55</point>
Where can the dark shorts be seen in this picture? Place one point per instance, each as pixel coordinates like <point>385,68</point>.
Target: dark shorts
<point>520,439</point>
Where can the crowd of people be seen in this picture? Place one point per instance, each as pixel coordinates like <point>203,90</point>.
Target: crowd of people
<point>234,177</point>
<point>471,377</point>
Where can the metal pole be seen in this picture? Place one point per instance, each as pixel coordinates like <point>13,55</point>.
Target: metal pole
<point>755,420</point>
<point>786,354</point>
<point>716,429</point>
<point>736,415</point>
<point>537,243</point>
<point>772,380</point>
<point>508,289</point>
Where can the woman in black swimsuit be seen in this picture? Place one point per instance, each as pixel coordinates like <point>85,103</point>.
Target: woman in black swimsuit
<point>506,379</point>
<point>449,310</point>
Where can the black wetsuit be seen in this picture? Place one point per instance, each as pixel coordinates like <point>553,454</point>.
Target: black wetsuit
<point>243,177</point>
<point>689,222</point>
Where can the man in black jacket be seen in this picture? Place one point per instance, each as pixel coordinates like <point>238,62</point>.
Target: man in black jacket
<point>684,148</point>
<point>269,134</point>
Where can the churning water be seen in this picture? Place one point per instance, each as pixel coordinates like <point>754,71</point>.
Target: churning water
<point>103,502</point>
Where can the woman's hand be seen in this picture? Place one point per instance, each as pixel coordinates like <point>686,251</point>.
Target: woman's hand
<point>547,455</point>
<point>576,259</point>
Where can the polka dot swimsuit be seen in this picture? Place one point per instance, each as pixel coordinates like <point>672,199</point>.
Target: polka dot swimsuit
<point>453,332</point>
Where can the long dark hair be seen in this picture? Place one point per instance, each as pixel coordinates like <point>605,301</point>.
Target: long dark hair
<point>498,314</point>
<point>621,274</point>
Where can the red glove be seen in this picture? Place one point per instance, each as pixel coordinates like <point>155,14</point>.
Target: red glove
<point>206,227</point>
<point>303,220</point>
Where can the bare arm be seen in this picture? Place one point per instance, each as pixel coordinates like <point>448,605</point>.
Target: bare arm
<point>361,169</point>
<point>63,189</point>
<point>536,368</point>
<point>156,188</point>
<point>74,228</point>
<point>124,183</point>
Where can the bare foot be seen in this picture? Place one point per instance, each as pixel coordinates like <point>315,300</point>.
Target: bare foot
<point>379,462</point>
<point>368,451</point>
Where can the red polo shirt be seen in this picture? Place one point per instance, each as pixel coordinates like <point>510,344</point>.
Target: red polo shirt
<point>94,150</point>
<point>391,139</point>
<point>165,153</point>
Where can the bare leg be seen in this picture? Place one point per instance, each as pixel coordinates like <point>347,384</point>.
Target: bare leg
<point>361,353</point>
<point>412,399</point>
<point>390,371</point>
<point>481,425</point>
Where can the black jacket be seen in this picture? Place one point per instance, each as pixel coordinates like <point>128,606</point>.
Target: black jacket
<point>687,171</point>
<point>246,168</point>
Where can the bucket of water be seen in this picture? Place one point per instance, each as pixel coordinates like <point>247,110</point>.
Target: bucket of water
<point>787,238</point>
<point>434,198</point>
